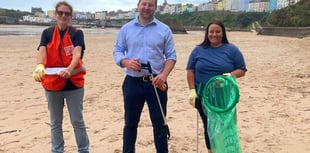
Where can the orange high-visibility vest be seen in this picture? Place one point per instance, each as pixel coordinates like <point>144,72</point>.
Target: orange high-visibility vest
<point>59,54</point>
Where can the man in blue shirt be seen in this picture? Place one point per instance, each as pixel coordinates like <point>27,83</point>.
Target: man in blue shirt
<point>145,40</point>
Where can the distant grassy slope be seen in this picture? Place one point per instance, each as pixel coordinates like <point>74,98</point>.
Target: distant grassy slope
<point>297,15</point>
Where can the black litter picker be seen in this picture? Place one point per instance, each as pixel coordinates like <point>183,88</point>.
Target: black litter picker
<point>163,87</point>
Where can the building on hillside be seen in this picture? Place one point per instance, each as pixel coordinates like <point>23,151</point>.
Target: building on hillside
<point>259,6</point>
<point>102,15</point>
<point>253,6</point>
<point>291,2</point>
<point>225,5</point>
<point>211,6</point>
<point>177,8</point>
<point>273,5</point>
<point>164,7</point>
<point>234,5</point>
<point>282,4</point>
<point>127,15</point>
<point>34,19</point>
<point>83,16</point>
<point>189,9</point>
<point>50,13</point>
<point>244,5</point>
<point>264,6</point>
<point>170,8</point>
<point>202,7</point>
<point>38,12</point>
<point>36,9</point>
<point>219,5</point>
<point>285,3</point>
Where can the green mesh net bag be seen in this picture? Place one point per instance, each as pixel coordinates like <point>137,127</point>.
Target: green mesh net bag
<point>219,98</point>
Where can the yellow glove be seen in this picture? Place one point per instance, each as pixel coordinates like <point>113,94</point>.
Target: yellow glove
<point>230,75</point>
<point>38,73</point>
<point>192,97</point>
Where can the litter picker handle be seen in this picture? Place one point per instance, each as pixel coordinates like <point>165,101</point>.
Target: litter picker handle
<point>147,66</point>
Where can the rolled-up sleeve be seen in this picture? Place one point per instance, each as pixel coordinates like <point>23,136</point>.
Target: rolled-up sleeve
<point>119,52</point>
<point>170,51</point>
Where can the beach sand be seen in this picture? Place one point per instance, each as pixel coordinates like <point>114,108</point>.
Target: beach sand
<point>273,111</point>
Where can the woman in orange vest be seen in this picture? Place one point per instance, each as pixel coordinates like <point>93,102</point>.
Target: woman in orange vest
<point>60,71</point>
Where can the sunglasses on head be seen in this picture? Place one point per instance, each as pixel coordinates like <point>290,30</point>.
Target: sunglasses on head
<point>61,13</point>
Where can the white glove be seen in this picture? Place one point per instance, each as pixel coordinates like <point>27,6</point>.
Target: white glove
<point>192,97</point>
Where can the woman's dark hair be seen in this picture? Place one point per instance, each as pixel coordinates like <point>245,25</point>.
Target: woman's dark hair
<point>206,41</point>
<point>64,3</point>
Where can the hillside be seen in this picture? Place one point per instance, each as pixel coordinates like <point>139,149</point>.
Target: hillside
<point>292,16</point>
<point>297,15</point>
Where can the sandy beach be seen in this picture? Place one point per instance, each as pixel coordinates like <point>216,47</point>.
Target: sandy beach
<point>273,111</point>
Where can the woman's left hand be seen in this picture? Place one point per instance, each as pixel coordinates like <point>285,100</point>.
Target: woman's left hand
<point>66,73</point>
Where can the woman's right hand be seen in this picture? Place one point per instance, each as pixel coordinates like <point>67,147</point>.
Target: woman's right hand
<point>192,97</point>
<point>39,73</point>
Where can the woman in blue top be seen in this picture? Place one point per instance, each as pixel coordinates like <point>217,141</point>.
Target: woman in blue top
<point>214,56</point>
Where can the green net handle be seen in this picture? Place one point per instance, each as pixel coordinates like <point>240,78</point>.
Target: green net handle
<point>232,102</point>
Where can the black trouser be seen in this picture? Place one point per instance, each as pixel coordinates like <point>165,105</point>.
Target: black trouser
<point>204,120</point>
<point>136,91</point>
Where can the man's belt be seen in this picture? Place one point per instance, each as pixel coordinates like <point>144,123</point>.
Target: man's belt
<point>145,78</point>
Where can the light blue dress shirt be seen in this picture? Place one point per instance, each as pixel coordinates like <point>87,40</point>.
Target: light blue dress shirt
<point>149,43</point>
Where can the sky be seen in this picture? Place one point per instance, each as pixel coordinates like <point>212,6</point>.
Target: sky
<point>85,5</point>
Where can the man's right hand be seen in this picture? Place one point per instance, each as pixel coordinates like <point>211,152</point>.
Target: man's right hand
<point>38,73</point>
<point>131,64</point>
<point>192,97</point>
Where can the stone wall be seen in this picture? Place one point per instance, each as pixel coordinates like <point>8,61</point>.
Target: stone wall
<point>299,32</point>
<point>203,28</point>
<point>194,28</point>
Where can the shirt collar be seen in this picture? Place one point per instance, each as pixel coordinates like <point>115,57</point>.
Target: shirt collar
<point>153,22</point>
